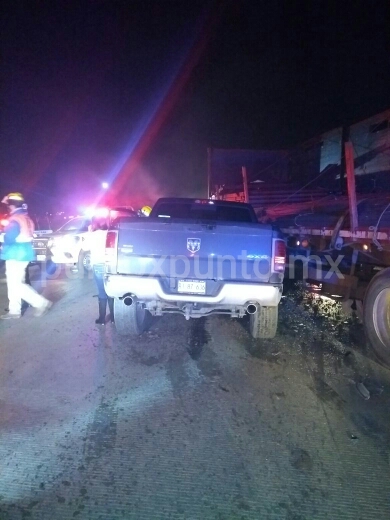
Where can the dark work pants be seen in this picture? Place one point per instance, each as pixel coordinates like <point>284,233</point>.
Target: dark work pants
<point>98,273</point>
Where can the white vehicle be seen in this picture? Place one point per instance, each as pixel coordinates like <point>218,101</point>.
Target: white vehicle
<point>70,244</point>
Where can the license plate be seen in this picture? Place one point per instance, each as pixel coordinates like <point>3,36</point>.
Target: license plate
<point>189,286</point>
<point>41,258</point>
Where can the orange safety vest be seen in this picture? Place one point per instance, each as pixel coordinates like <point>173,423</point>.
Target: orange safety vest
<point>26,227</point>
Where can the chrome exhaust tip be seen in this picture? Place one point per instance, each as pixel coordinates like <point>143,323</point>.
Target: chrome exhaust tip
<point>251,308</point>
<point>128,300</point>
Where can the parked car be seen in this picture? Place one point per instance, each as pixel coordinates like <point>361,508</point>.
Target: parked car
<point>69,245</point>
<point>195,257</point>
<point>43,229</point>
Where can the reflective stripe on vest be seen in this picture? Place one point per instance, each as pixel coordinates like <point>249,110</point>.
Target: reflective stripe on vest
<point>26,226</point>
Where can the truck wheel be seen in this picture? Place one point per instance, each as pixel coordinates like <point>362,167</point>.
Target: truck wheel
<point>264,322</point>
<point>376,315</point>
<point>85,261</point>
<point>130,320</point>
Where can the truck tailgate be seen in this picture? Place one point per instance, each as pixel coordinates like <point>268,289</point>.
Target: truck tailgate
<point>217,251</point>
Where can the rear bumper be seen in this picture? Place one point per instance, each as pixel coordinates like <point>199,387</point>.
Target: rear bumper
<point>234,294</point>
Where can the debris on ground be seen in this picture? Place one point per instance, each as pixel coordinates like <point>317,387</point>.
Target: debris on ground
<point>363,391</point>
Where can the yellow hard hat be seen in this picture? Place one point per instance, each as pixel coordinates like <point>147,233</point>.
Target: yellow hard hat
<point>13,197</point>
<point>146,210</point>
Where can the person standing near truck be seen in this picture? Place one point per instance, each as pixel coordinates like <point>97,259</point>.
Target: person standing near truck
<point>98,246</point>
<point>18,252</point>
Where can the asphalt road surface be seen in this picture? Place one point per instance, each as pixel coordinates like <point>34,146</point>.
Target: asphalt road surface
<point>192,420</point>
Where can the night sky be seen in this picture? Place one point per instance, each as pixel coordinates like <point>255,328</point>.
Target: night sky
<point>134,92</point>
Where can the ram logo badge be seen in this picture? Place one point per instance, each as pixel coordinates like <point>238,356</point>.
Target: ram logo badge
<point>193,245</point>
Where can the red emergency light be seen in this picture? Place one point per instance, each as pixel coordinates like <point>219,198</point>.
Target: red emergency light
<point>93,212</point>
<point>101,213</point>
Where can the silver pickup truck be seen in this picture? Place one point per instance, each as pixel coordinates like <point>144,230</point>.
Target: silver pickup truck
<point>195,257</point>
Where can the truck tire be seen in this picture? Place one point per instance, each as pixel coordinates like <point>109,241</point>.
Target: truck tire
<point>264,323</point>
<point>130,320</point>
<point>84,263</point>
<point>376,315</point>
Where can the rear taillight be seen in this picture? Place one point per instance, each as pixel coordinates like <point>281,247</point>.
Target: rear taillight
<point>279,255</point>
<point>111,251</point>
<point>111,240</point>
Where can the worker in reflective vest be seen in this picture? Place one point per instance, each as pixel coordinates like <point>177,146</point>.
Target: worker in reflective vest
<point>18,252</point>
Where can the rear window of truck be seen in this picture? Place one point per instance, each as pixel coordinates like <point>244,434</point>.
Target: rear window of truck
<point>194,211</point>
